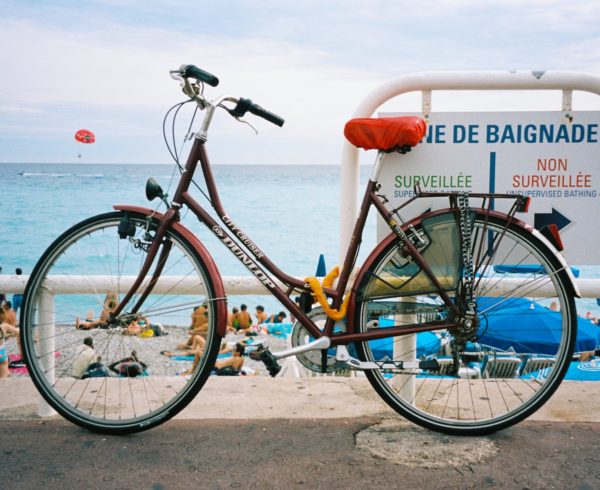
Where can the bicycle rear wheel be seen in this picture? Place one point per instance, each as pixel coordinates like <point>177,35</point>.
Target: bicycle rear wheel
<point>498,372</point>
<point>81,272</point>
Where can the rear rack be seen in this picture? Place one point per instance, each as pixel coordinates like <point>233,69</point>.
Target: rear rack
<point>520,205</point>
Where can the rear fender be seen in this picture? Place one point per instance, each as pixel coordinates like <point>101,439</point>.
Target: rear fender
<point>560,258</point>
<point>211,267</point>
<point>416,221</point>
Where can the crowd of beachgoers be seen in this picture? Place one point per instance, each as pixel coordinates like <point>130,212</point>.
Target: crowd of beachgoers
<point>148,348</point>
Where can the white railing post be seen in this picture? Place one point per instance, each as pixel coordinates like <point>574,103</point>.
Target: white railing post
<point>349,180</point>
<point>47,346</point>
<point>404,349</point>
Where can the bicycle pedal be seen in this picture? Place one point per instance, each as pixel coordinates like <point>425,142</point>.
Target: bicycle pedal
<point>254,354</point>
<point>430,365</point>
<point>268,360</point>
<point>434,365</point>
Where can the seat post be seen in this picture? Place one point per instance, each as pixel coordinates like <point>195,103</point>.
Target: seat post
<point>377,166</point>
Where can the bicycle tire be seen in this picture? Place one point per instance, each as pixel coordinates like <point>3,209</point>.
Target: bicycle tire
<point>80,267</point>
<point>455,398</point>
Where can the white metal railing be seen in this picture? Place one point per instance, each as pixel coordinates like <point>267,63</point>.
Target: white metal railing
<point>234,285</point>
<point>426,82</point>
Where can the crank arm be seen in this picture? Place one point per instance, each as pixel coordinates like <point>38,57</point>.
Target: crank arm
<point>319,344</point>
<point>342,355</point>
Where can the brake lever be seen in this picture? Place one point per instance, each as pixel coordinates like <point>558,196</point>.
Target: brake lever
<point>232,113</point>
<point>246,122</point>
<point>176,75</point>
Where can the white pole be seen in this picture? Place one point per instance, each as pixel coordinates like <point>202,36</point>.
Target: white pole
<point>47,346</point>
<point>350,179</point>
<point>405,349</point>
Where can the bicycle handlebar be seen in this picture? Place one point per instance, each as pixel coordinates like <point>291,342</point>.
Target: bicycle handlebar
<point>193,71</point>
<point>242,105</point>
<point>269,116</point>
<point>246,105</point>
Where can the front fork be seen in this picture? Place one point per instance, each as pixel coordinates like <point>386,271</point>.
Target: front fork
<point>127,231</point>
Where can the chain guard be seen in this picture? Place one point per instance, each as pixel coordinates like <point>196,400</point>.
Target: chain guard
<point>312,359</point>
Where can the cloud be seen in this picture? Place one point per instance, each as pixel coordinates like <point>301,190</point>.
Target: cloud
<point>312,62</point>
<point>128,68</point>
<point>16,108</point>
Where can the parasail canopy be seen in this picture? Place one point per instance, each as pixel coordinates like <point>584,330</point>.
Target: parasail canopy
<point>85,136</point>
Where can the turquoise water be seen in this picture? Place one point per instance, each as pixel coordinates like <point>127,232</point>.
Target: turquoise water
<point>290,212</point>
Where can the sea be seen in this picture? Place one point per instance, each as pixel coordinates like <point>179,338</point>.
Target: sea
<point>290,211</point>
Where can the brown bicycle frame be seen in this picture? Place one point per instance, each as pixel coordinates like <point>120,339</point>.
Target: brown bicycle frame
<point>257,262</point>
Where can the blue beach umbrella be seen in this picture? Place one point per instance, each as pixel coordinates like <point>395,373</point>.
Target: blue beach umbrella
<point>428,343</point>
<point>321,269</point>
<point>528,327</point>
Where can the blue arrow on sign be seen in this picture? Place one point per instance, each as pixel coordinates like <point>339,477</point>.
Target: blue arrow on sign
<point>542,219</point>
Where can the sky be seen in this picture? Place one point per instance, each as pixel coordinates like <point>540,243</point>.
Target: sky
<point>104,65</point>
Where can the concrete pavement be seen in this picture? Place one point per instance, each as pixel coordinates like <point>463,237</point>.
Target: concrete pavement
<point>256,432</point>
<point>296,454</point>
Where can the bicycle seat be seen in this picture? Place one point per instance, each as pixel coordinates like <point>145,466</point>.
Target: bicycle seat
<point>387,134</point>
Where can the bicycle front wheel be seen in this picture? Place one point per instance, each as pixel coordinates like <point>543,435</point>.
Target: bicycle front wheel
<point>106,374</point>
<point>509,361</point>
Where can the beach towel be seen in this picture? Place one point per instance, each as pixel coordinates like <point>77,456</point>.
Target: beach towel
<point>191,357</point>
<point>16,365</point>
<point>182,358</point>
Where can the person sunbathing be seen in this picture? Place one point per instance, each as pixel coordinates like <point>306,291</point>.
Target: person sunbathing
<point>197,346</point>
<point>197,349</point>
<point>235,362</point>
<point>129,367</point>
<point>110,304</point>
<point>198,328</point>
<point>232,365</point>
<point>138,326</point>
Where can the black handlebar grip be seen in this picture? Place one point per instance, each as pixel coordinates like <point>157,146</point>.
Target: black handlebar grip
<point>269,116</point>
<point>199,74</point>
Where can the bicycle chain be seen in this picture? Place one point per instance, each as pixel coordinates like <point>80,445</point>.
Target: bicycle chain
<point>467,257</point>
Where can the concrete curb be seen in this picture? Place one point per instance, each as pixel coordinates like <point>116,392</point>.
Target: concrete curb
<point>303,398</point>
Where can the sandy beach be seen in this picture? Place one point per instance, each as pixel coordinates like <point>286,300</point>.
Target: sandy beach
<point>113,347</point>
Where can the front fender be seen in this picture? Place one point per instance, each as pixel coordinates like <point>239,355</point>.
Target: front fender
<point>208,262</point>
<point>392,236</point>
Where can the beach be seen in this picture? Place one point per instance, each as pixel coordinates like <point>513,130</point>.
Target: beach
<point>149,349</point>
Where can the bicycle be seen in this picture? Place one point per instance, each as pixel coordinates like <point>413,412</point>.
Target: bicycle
<point>429,317</point>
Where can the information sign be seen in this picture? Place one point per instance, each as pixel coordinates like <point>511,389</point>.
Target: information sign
<point>553,157</point>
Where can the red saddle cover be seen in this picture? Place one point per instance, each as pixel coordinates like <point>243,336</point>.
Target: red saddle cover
<point>386,133</point>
